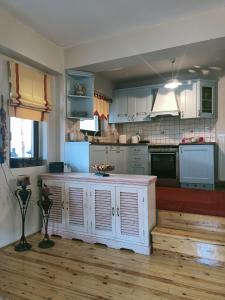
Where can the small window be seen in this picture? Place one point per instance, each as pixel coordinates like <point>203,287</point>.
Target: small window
<point>91,126</point>
<point>24,144</point>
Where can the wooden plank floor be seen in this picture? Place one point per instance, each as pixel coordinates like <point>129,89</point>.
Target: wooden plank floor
<point>75,270</point>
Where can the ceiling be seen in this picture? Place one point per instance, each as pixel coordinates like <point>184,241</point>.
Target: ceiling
<point>203,59</point>
<point>71,22</point>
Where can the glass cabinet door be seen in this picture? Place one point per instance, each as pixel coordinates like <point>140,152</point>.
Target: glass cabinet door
<point>207,99</point>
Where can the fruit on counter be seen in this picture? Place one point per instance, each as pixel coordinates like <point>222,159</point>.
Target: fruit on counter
<point>102,167</point>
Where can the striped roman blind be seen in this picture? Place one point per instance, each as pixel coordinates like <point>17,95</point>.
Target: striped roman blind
<point>30,92</point>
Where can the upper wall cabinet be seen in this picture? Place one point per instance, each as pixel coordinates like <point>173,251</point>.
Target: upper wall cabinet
<point>206,98</point>
<point>79,94</point>
<point>187,99</point>
<point>131,105</point>
<point>196,99</point>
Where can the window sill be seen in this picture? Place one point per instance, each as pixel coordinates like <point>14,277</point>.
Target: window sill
<point>25,162</point>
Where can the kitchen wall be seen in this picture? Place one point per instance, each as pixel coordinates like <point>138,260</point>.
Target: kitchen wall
<point>10,220</point>
<point>182,31</point>
<point>22,42</point>
<point>171,130</point>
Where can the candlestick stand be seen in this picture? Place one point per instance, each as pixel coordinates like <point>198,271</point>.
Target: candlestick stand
<point>23,196</point>
<point>45,205</point>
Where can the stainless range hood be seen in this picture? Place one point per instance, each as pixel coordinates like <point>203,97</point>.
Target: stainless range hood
<point>165,103</point>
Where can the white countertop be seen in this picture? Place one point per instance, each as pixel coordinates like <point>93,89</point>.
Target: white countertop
<point>142,180</point>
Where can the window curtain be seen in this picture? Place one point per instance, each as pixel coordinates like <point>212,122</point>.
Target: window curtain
<point>30,93</point>
<point>101,106</point>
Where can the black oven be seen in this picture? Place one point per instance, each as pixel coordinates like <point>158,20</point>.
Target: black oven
<point>164,163</point>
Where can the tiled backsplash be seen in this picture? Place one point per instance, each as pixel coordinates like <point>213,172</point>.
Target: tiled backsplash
<point>171,130</point>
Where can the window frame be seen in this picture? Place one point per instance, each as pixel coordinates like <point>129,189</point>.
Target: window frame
<point>91,132</point>
<point>35,160</point>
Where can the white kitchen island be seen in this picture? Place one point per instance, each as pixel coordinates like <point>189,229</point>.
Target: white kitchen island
<point>118,211</point>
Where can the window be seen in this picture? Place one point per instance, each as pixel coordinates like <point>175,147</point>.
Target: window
<point>24,143</point>
<point>90,126</point>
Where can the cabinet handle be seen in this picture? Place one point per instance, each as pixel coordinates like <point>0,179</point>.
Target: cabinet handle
<point>141,113</point>
<point>118,211</point>
<point>121,115</point>
<point>62,205</point>
<point>182,114</point>
<point>199,113</point>
<point>113,211</point>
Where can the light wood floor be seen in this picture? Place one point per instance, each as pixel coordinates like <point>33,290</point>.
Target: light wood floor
<point>75,270</point>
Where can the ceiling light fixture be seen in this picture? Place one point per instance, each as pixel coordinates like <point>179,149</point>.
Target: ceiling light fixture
<point>173,83</point>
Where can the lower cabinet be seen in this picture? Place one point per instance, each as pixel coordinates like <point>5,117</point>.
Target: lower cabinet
<point>117,212</point>
<point>129,214</point>
<point>111,214</point>
<point>197,166</point>
<point>57,216</point>
<point>103,210</point>
<point>76,206</point>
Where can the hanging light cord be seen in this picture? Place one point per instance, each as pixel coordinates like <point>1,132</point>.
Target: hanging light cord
<point>172,63</point>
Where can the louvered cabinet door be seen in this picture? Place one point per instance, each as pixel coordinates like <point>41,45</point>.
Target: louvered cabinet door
<point>103,210</point>
<point>76,205</point>
<point>57,214</point>
<point>129,214</point>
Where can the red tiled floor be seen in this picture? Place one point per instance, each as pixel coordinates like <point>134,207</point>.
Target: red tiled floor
<point>191,201</point>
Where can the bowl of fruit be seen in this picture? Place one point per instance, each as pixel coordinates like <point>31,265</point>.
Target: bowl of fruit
<point>101,169</point>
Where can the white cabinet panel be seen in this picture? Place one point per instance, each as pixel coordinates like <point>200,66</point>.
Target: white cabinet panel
<point>57,215</point>
<point>77,213</point>
<point>129,211</point>
<point>197,164</point>
<point>103,210</point>
<point>187,99</point>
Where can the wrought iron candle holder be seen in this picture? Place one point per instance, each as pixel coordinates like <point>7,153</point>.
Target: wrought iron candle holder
<point>23,196</point>
<point>45,204</point>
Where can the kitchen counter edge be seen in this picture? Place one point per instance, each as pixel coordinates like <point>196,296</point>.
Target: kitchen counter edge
<point>142,180</point>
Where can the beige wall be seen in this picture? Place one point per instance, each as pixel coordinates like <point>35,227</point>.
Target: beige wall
<point>23,42</point>
<point>10,221</point>
<point>194,29</point>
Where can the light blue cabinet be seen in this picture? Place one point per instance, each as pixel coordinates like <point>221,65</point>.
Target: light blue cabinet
<point>187,99</point>
<point>112,155</point>
<point>76,154</point>
<point>137,160</point>
<point>131,105</point>
<point>196,99</point>
<point>119,107</point>
<point>197,166</point>
<point>206,98</point>
<point>79,94</point>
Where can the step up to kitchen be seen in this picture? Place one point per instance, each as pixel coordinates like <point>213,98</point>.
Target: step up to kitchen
<point>191,222</point>
<point>202,244</point>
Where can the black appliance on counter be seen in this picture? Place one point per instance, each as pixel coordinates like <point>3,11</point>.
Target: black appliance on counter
<point>164,163</point>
